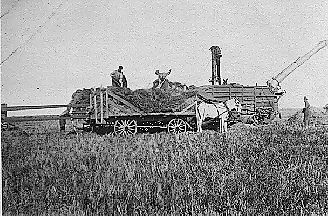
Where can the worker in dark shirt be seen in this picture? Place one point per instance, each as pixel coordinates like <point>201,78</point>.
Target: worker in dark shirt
<point>306,112</point>
<point>118,78</point>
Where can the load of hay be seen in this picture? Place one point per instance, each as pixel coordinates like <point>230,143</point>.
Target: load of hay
<point>81,97</point>
<point>147,100</point>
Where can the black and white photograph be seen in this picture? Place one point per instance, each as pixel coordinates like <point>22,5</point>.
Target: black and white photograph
<point>164,107</point>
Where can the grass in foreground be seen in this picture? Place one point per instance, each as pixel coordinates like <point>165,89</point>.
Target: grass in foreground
<point>276,170</point>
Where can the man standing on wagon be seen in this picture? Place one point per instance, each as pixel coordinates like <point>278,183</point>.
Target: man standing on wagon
<point>118,78</point>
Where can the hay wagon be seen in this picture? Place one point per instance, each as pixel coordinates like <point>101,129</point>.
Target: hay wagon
<point>108,112</point>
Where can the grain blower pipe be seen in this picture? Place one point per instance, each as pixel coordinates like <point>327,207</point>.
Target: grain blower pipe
<point>216,73</point>
<point>274,83</point>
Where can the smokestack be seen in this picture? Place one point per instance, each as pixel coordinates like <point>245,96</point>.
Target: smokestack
<point>216,73</point>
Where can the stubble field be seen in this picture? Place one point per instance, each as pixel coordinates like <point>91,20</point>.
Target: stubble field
<point>269,170</point>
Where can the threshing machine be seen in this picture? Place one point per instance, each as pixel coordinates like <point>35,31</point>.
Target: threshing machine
<point>259,102</point>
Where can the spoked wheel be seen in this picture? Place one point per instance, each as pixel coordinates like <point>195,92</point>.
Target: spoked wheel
<point>177,126</point>
<point>256,120</point>
<point>125,127</point>
<point>4,126</point>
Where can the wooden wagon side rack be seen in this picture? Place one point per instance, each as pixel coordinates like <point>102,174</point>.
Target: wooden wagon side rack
<point>258,102</point>
<point>109,112</point>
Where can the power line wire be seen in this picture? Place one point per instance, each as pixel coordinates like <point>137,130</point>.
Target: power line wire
<point>33,35</point>
<point>12,7</point>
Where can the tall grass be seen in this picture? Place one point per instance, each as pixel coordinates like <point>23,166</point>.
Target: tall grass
<point>274,170</point>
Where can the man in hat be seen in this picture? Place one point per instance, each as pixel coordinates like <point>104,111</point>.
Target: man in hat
<point>306,112</point>
<point>161,82</point>
<point>118,78</point>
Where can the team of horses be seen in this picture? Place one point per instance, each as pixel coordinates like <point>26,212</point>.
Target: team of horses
<point>218,111</point>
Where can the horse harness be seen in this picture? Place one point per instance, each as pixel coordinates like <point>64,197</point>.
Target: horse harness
<point>227,109</point>
<point>217,110</point>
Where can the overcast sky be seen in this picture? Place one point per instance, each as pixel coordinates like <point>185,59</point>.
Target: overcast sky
<point>72,44</point>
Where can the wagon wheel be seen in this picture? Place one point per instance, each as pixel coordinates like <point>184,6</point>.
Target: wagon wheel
<point>125,127</point>
<point>4,126</point>
<point>256,120</point>
<point>177,126</point>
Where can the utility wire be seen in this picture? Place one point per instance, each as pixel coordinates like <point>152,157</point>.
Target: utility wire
<point>8,11</point>
<point>35,33</point>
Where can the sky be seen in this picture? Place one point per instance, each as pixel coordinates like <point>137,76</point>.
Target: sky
<point>65,45</point>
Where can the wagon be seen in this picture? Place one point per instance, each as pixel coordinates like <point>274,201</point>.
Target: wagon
<point>110,113</point>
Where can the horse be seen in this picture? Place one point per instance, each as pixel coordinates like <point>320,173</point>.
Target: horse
<point>216,110</point>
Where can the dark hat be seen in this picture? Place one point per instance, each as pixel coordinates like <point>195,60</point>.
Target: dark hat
<point>120,67</point>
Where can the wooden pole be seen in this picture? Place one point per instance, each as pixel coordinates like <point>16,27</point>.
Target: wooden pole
<point>17,108</point>
<point>95,107</point>
<point>91,98</point>
<point>107,107</point>
<point>101,106</point>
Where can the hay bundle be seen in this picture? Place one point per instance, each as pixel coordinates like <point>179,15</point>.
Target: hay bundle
<point>81,97</point>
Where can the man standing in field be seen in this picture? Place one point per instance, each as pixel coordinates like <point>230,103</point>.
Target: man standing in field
<point>62,120</point>
<point>118,78</point>
<point>306,111</point>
